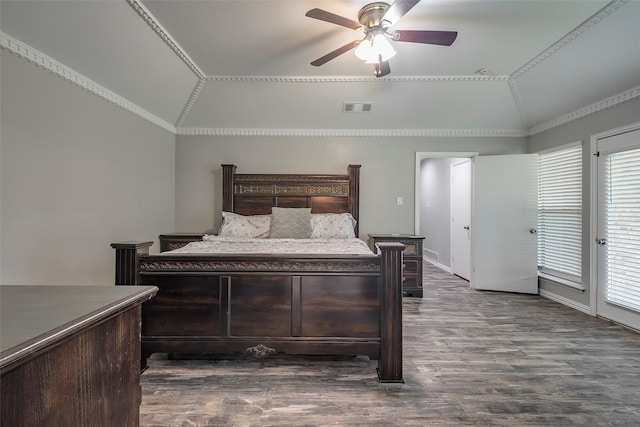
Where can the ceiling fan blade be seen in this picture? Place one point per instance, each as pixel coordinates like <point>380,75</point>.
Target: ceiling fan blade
<point>323,15</point>
<point>334,54</point>
<point>382,68</point>
<point>398,9</point>
<point>442,38</point>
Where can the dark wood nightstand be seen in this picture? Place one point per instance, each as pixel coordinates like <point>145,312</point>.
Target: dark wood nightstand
<point>412,270</point>
<point>169,242</point>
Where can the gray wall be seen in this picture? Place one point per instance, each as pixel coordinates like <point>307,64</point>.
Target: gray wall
<point>388,171</point>
<point>582,130</point>
<point>435,208</point>
<point>76,174</point>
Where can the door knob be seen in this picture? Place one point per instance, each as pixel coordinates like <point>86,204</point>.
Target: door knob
<point>466,227</point>
<point>601,242</point>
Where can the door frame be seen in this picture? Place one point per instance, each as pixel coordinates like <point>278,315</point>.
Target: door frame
<point>593,210</point>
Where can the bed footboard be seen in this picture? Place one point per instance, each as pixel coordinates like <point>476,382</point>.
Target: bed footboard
<point>294,304</point>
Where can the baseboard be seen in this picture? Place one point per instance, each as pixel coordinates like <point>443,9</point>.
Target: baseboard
<point>566,301</point>
<point>437,264</point>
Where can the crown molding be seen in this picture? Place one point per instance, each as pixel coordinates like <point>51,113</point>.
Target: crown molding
<point>47,63</point>
<point>353,133</point>
<point>586,25</point>
<point>353,79</point>
<point>146,15</point>
<point>614,100</point>
<point>517,99</point>
<point>192,99</point>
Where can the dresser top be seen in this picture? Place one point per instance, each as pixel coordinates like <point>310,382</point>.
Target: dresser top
<point>32,317</point>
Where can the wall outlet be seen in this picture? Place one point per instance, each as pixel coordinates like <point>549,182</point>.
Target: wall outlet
<point>399,201</point>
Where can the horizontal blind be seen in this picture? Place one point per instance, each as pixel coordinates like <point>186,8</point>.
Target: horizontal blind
<point>560,213</point>
<point>622,183</point>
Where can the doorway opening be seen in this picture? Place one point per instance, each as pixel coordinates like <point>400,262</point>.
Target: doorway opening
<point>436,199</point>
<point>503,221</point>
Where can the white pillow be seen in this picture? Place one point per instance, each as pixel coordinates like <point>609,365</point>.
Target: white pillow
<point>235,225</point>
<point>333,226</point>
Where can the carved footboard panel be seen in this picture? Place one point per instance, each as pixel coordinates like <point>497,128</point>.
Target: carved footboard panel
<point>306,305</point>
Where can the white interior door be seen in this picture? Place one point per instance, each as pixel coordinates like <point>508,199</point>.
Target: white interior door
<point>461,219</point>
<point>618,239</point>
<point>504,218</point>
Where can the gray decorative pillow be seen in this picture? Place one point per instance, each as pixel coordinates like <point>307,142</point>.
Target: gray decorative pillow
<point>290,223</point>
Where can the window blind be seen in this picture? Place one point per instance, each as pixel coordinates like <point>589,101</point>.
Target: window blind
<point>622,183</point>
<point>560,213</point>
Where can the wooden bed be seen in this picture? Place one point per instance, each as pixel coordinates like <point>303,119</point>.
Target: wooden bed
<point>265,303</point>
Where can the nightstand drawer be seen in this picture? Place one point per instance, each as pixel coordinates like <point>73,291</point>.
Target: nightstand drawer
<point>410,267</point>
<point>410,281</point>
<point>412,260</point>
<point>411,248</point>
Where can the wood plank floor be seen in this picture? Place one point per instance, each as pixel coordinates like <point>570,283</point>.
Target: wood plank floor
<point>470,359</point>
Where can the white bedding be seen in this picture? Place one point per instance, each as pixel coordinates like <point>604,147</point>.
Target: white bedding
<point>246,245</point>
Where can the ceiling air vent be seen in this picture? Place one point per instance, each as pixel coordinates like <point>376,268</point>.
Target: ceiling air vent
<point>356,107</point>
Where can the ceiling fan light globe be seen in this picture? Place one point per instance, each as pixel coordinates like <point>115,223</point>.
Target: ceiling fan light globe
<point>364,51</point>
<point>370,50</point>
<point>381,46</point>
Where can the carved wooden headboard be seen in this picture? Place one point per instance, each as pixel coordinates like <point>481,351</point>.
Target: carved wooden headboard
<point>256,194</point>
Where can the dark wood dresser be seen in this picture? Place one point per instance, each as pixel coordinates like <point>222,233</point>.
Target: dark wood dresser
<point>70,355</point>
<point>412,269</point>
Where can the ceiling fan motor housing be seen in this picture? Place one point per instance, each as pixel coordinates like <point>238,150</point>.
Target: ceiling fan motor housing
<point>374,19</point>
<point>371,14</point>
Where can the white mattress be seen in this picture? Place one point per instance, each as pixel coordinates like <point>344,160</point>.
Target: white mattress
<point>244,245</point>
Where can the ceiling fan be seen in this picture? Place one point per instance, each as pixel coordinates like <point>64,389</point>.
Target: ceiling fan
<point>376,19</point>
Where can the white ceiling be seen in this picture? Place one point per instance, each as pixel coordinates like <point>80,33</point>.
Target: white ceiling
<point>243,66</point>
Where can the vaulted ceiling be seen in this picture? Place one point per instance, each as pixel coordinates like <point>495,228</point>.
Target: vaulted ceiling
<point>243,66</point>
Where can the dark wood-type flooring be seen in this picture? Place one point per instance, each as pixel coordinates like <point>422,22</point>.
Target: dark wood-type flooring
<point>470,359</point>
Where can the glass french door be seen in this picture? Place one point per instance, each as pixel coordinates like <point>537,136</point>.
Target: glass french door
<point>618,237</point>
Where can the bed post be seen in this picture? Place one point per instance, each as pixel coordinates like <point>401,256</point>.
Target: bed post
<point>354,195</point>
<point>228,172</point>
<point>127,254</point>
<point>390,362</point>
